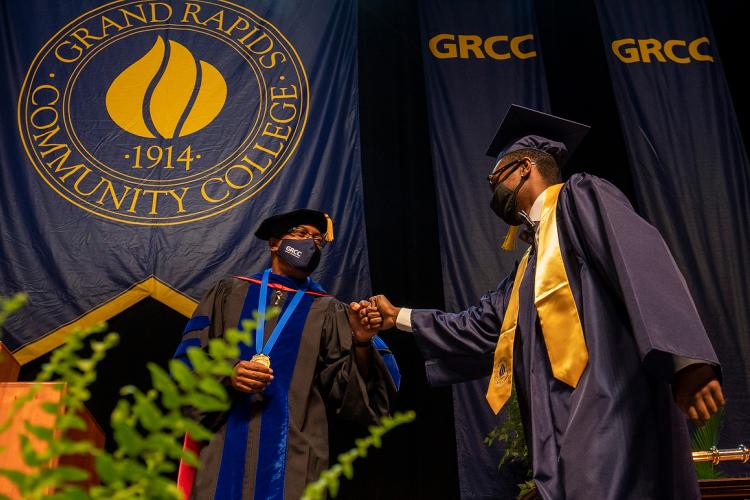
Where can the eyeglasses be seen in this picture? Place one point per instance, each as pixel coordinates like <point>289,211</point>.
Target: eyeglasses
<point>494,178</point>
<point>303,234</point>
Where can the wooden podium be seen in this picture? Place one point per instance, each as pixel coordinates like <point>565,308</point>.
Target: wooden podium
<point>9,367</point>
<point>49,392</point>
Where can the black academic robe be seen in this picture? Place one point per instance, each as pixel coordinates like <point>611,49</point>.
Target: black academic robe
<point>618,434</point>
<point>271,445</point>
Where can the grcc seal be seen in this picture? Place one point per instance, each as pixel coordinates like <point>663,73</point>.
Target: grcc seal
<point>159,113</point>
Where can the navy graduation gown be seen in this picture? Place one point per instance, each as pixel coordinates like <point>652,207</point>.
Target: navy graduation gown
<point>619,434</point>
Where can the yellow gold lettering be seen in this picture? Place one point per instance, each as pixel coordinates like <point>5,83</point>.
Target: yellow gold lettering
<point>111,190</point>
<point>236,24</point>
<point>191,9</point>
<point>168,8</point>
<point>444,51</point>
<point>234,185</point>
<point>489,47</point>
<point>284,106</point>
<point>76,47</point>
<point>56,93</point>
<point>649,47</point>
<point>470,43</point>
<point>669,46</point>
<point>282,94</point>
<point>217,18</point>
<point>179,199</point>
<point>693,49</point>
<point>277,132</point>
<point>126,14</point>
<point>82,34</point>
<point>627,54</point>
<point>208,198</point>
<point>108,23</point>
<point>136,193</point>
<point>33,119</point>
<point>515,46</point>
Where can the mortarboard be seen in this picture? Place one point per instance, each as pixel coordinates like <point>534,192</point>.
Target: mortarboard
<point>524,128</point>
<point>277,225</point>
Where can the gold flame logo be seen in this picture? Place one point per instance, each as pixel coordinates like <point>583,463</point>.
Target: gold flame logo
<point>169,103</point>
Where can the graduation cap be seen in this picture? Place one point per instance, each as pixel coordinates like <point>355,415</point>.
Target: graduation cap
<point>280,224</point>
<point>524,128</point>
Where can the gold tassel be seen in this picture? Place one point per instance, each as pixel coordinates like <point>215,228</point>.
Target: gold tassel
<point>509,243</point>
<point>329,228</point>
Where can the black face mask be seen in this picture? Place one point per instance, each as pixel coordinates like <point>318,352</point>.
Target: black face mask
<point>300,254</point>
<point>505,203</point>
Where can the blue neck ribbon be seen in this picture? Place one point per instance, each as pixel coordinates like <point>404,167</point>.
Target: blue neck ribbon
<point>260,330</point>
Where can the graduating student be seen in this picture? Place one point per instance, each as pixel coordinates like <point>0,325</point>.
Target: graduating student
<point>316,357</point>
<point>595,327</point>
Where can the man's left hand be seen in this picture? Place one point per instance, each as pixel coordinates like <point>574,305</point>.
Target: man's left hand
<point>364,320</point>
<point>698,392</point>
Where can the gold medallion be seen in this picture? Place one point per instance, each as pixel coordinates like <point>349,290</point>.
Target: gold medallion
<point>262,359</point>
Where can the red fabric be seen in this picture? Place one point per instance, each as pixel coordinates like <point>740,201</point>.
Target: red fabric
<point>186,472</point>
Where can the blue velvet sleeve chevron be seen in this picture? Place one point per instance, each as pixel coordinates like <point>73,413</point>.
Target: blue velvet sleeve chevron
<point>389,359</point>
<point>195,324</point>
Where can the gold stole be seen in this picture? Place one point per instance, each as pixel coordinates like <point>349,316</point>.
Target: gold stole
<point>558,314</point>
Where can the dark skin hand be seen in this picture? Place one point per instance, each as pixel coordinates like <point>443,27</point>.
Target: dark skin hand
<point>251,377</point>
<point>697,390</point>
<point>388,311</point>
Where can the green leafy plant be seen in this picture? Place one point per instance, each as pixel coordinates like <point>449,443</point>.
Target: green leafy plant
<point>147,425</point>
<point>330,479</point>
<point>510,434</point>
<point>703,439</point>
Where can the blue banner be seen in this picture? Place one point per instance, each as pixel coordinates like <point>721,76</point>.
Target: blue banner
<point>690,168</point>
<point>479,57</point>
<point>144,141</point>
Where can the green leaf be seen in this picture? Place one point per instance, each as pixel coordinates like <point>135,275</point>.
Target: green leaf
<point>162,383</point>
<point>16,477</point>
<point>198,357</point>
<point>51,408</point>
<point>207,404</point>
<point>66,473</point>
<point>214,388</point>
<point>127,438</point>
<point>71,421</point>
<point>30,456</point>
<point>69,493</point>
<point>105,467</point>
<point>41,432</point>
<point>196,431</point>
<point>190,458</point>
<point>182,374</point>
<point>147,412</point>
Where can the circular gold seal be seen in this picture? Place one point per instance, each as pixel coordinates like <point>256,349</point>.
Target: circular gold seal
<point>159,113</point>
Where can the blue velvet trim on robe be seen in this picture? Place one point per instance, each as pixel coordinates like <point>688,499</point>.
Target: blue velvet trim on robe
<point>389,359</point>
<point>196,323</point>
<point>183,347</point>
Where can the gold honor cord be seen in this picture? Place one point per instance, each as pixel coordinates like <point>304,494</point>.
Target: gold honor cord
<point>558,314</point>
<point>502,367</point>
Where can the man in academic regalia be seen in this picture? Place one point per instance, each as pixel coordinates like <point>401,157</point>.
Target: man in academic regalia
<point>317,356</point>
<point>596,328</point>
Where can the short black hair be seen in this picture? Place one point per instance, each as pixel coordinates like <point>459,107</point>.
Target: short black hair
<point>544,162</point>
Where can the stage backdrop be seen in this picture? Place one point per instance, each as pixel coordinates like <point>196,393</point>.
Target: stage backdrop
<point>479,57</point>
<point>143,142</point>
<point>690,168</point>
